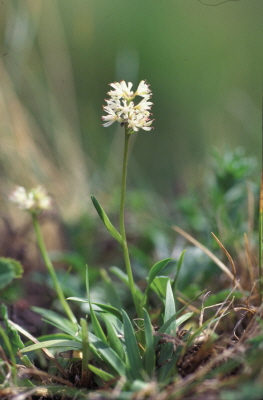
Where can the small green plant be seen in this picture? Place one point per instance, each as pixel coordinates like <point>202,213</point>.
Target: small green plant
<point>135,352</point>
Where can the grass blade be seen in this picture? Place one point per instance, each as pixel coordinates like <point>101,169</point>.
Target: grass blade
<point>105,376</point>
<point>149,356</point>
<point>135,366</point>
<point>170,310</point>
<point>113,339</point>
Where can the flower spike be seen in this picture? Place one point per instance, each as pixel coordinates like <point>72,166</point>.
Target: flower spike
<point>122,108</point>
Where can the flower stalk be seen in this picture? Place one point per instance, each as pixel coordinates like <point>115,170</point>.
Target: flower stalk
<point>35,201</point>
<point>51,270</point>
<point>122,108</point>
<point>122,224</point>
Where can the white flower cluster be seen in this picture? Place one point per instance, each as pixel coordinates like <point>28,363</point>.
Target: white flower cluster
<point>120,107</point>
<point>35,200</point>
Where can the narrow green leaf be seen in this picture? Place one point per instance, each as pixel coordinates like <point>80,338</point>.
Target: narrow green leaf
<point>178,269</point>
<point>105,376</point>
<point>170,309</point>
<point>87,282</point>
<point>79,299</point>
<point>70,344</point>
<point>135,367</point>
<point>109,356</point>
<point>109,309</point>
<point>95,322</point>
<point>169,316</point>
<point>113,339</point>
<point>57,320</point>
<point>149,356</point>
<point>154,271</point>
<point>103,216</point>
<point>116,324</point>
<point>99,306</point>
<point>96,326</point>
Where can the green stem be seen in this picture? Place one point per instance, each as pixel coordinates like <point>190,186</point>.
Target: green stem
<point>7,342</point>
<point>122,224</point>
<point>51,270</point>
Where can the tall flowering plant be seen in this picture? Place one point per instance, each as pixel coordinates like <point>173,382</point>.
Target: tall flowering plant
<point>124,108</point>
<point>121,352</point>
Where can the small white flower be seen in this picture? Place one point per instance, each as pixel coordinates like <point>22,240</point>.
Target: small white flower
<point>143,89</point>
<point>139,121</point>
<point>34,200</point>
<point>144,105</point>
<point>121,90</point>
<point>112,117</point>
<point>121,107</point>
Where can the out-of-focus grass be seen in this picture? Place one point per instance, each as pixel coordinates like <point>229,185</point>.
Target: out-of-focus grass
<point>57,59</point>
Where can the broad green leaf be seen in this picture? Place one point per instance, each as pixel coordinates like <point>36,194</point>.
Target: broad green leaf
<point>169,310</point>
<point>9,270</point>
<point>124,278</point>
<point>103,216</point>
<point>149,356</point>
<point>135,367</point>
<point>105,376</point>
<point>113,339</point>
<point>154,271</point>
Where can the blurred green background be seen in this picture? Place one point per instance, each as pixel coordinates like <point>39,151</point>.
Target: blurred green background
<point>204,64</point>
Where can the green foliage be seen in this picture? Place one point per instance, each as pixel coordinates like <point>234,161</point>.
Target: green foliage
<point>9,269</point>
<point>164,334</point>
